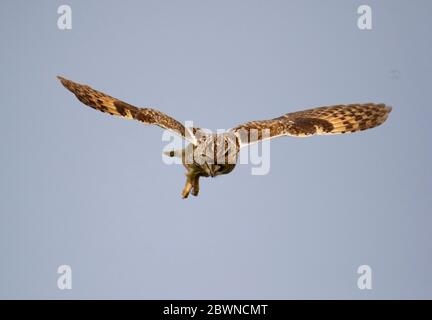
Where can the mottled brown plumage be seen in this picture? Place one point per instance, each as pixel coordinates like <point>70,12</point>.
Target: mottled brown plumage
<point>337,119</point>
<point>213,155</point>
<point>105,103</point>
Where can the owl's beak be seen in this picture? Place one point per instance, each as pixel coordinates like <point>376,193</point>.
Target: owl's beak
<point>210,170</point>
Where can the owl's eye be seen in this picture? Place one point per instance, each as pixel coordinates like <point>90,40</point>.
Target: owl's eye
<point>206,157</point>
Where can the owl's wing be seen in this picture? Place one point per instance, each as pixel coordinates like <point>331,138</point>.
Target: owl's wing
<point>105,103</point>
<point>335,119</point>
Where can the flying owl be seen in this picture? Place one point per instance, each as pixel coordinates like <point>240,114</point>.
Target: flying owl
<point>211,155</point>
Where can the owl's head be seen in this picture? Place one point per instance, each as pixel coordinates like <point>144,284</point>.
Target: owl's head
<point>215,154</point>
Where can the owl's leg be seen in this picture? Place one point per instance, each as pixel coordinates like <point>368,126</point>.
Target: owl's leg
<point>174,153</point>
<point>188,186</point>
<point>195,186</point>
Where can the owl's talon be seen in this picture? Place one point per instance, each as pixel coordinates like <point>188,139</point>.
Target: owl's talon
<point>187,189</point>
<point>169,153</point>
<point>195,186</point>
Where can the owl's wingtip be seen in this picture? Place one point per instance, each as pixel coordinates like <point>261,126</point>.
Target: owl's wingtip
<point>62,80</point>
<point>65,82</point>
<point>387,108</point>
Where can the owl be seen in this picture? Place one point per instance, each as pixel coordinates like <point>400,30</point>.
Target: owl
<point>212,155</point>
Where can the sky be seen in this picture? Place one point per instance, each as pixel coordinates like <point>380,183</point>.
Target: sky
<point>92,192</point>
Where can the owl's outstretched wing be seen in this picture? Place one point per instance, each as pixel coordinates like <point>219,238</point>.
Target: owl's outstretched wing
<point>335,119</point>
<point>105,103</point>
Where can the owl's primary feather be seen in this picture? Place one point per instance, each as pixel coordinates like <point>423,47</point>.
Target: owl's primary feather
<point>105,103</point>
<point>337,119</point>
